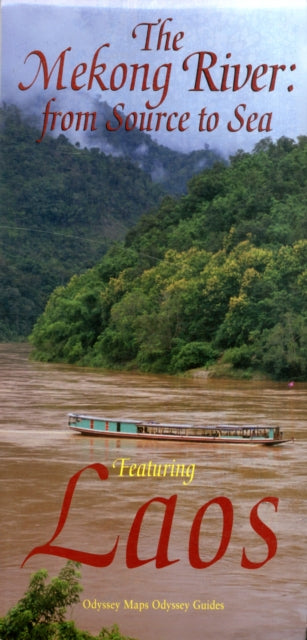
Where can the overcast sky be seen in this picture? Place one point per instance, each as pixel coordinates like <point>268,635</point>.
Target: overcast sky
<point>252,34</point>
<point>140,4</point>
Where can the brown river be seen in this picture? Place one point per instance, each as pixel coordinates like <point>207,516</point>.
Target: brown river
<point>177,601</point>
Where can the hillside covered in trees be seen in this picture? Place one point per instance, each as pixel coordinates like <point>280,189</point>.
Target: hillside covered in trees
<point>216,276</point>
<point>63,205</point>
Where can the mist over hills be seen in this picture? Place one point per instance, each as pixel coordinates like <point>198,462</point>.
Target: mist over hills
<point>170,168</point>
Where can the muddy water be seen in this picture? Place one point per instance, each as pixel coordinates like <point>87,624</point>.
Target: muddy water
<point>39,456</point>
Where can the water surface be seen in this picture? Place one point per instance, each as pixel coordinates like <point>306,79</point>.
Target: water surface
<point>39,456</point>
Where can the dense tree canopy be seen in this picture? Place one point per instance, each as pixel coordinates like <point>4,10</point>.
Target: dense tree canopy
<point>218,275</point>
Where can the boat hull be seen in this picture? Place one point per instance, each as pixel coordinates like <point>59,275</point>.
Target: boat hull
<point>130,429</point>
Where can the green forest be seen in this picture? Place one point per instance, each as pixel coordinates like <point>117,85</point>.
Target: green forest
<point>215,278</point>
<point>62,206</point>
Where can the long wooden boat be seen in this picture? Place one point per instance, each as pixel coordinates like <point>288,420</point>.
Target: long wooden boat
<point>218,434</point>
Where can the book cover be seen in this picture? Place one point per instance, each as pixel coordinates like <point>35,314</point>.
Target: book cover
<point>175,539</point>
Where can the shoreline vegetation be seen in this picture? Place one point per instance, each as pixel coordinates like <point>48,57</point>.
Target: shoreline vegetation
<point>213,280</point>
<point>217,370</point>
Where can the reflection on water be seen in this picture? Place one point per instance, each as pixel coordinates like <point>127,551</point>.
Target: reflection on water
<point>39,455</point>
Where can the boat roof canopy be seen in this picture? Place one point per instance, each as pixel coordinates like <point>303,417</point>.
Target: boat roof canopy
<point>152,423</point>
